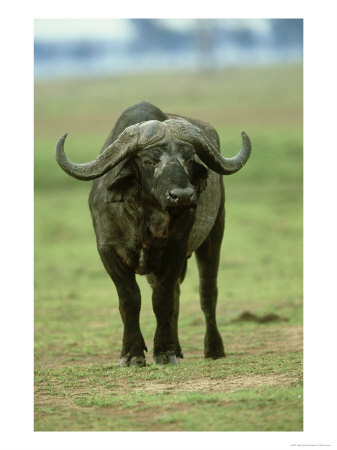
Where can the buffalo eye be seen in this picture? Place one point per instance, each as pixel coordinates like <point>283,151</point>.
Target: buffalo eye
<point>189,161</point>
<point>187,157</point>
<point>148,162</point>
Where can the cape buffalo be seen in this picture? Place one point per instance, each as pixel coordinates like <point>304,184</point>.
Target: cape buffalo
<point>158,196</point>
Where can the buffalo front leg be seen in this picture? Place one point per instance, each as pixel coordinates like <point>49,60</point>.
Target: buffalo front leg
<point>176,305</point>
<point>166,308</point>
<point>133,344</point>
<point>178,350</point>
<point>208,263</point>
<point>164,351</point>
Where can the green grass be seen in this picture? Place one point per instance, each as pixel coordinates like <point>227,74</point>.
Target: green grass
<point>258,387</point>
<point>103,391</point>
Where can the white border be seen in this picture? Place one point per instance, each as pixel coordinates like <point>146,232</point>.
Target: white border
<point>17,222</point>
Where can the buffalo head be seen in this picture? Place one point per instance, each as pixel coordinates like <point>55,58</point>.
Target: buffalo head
<point>169,159</point>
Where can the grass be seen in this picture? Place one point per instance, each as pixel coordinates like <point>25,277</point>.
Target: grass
<point>258,387</point>
<point>229,395</point>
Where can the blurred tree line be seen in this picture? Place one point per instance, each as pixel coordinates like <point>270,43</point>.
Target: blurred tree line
<point>204,37</point>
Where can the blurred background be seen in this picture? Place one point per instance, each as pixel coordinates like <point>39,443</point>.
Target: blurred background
<point>103,47</point>
<point>235,74</point>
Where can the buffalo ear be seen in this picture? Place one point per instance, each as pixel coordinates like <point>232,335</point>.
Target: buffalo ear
<point>123,182</point>
<point>199,176</point>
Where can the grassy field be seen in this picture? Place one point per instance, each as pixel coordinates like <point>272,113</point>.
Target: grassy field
<point>78,330</point>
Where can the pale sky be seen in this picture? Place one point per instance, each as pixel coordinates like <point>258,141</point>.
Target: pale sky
<point>71,28</point>
<point>119,28</point>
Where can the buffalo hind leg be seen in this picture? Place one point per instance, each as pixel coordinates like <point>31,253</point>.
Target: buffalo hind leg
<point>133,345</point>
<point>207,256</point>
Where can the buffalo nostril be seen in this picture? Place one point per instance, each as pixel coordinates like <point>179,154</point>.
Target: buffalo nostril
<point>182,196</point>
<point>173,196</point>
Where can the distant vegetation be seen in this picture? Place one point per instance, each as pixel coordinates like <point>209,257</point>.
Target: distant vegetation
<point>210,43</point>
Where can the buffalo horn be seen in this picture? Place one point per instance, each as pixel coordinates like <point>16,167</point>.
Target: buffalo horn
<point>129,142</point>
<point>121,148</point>
<point>225,166</point>
<point>207,151</point>
<point>140,135</point>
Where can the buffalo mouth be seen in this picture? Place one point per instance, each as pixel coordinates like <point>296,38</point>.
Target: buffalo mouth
<point>183,212</point>
<point>177,210</point>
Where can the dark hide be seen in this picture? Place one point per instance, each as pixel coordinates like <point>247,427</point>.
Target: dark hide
<point>142,228</point>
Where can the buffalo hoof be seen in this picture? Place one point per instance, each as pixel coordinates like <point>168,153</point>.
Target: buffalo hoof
<point>215,355</point>
<point>135,361</point>
<point>163,358</point>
